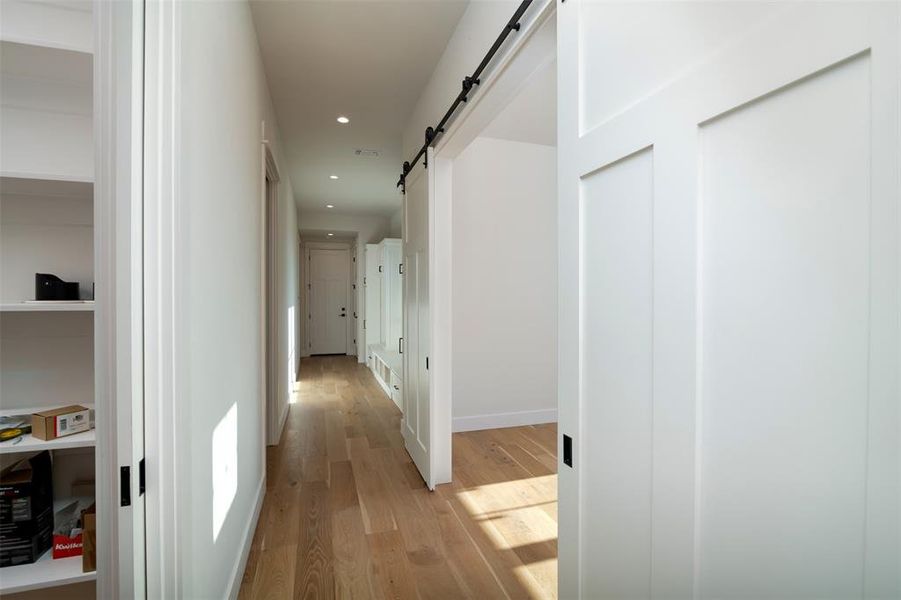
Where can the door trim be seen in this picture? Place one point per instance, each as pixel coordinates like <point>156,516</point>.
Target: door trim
<point>118,267</point>
<point>269,305</point>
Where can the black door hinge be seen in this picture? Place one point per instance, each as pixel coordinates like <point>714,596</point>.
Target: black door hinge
<point>426,363</point>
<point>124,486</point>
<point>380,268</point>
<point>567,451</point>
<point>400,269</point>
<point>141,478</point>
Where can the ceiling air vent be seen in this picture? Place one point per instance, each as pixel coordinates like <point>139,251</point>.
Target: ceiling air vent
<point>365,153</point>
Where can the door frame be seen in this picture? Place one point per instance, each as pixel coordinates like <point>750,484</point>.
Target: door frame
<point>119,272</point>
<point>165,506</point>
<point>528,53</point>
<point>270,389</point>
<point>351,328</point>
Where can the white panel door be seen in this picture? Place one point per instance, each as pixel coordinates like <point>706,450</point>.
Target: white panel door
<point>729,304</point>
<point>416,424</point>
<point>329,277</point>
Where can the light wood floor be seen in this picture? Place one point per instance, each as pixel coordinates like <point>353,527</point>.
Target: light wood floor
<point>346,514</point>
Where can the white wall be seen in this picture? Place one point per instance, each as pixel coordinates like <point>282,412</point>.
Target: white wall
<point>396,227</point>
<point>504,285</point>
<point>224,99</point>
<point>478,28</point>
<point>369,229</point>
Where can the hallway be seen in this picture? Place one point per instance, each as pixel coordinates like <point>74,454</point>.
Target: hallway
<point>346,514</point>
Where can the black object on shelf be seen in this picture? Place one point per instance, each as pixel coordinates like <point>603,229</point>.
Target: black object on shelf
<point>51,287</point>
<point>26,510</point>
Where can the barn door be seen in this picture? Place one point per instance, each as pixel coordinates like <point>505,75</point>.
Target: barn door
<point>729,270</point>
<point>417,420</point>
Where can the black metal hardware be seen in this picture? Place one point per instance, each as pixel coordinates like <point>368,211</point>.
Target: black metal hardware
<point>124,486</point>
<point>364,323</point>
<point>426,363</point>
<point>364,280</point>
<point>397,388</point>
<point>380,268</point>
<point>400,268</point>
<point>400,345</point>
<point>512,25</point>
<point>567,450</point>
<point>141,480</point>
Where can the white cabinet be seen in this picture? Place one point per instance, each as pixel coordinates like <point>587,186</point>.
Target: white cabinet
<point>390,252</point>
<point>372,305</point>
<point>384,315</point>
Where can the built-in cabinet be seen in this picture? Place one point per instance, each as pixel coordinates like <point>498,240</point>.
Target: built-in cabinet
<point>390,253</point>
<point>47,226</point>
<point>372,299</point>
<point>384,315</point>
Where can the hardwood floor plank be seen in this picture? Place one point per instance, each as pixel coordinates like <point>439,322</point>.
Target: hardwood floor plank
<point>391,569</point>
<point>353,562</point>
<point>314,555</point>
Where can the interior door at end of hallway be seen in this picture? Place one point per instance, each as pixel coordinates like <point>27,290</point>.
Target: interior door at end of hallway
<point>329,276</point>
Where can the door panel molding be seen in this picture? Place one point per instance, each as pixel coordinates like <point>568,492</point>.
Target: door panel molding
<point>782,71</point>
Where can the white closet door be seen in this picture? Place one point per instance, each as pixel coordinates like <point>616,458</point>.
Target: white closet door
<point>416,425</point>
<point>729,270</point>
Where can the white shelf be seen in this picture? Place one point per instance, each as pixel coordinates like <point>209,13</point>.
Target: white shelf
<point>39,182</point>
<point>392,358</point>
<point>62,25</point>
<point>43,573</point>
<point>58,306</point>
<point>29,443</point>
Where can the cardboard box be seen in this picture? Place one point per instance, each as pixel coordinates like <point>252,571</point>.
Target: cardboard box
<point>67,528</point>
<point>26,510</point>
<point>89,539</point>
<point>59,422</point>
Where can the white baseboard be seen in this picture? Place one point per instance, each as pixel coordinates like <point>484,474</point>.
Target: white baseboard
<point>511,419</point>
<point>247,539</point>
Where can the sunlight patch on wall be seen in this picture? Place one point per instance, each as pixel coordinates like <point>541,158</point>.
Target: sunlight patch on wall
<point>225,467</point>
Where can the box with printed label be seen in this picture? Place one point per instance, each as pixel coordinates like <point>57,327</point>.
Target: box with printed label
<point>60,422</point>
<point>67,528</point>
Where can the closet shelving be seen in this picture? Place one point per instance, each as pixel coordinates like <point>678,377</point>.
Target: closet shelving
<point>47,225</point>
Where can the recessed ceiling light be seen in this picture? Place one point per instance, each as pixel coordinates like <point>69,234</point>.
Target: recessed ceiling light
<point>331,234</point>
<point>343,120</point>
<point>333,177</point>
<point>330,206</point>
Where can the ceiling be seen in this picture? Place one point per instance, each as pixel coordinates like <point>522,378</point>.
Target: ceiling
<point>532,114</point>
<point>368,60</point>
